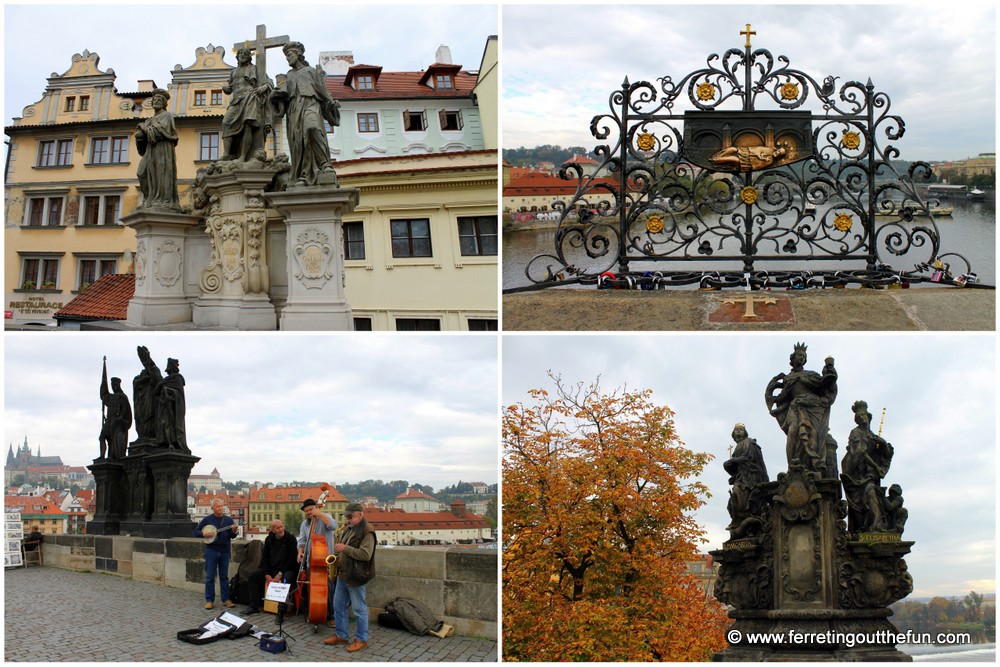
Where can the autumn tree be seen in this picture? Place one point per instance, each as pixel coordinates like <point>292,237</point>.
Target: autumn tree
<point>598,531</point>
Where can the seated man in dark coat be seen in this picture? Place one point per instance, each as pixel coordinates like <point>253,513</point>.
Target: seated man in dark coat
<point>278,560</point>
<point>33,539</point>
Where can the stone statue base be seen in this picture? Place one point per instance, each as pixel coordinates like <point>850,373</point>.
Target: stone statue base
<point>109,478</point>
<point>315,256</point>
<point>159,267</point>
<point>802,581</point>
<point>235,282</point>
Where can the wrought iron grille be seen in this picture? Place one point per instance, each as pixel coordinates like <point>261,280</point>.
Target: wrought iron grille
<point>743,178</point>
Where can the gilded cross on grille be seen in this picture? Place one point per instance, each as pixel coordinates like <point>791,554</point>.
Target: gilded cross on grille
<point>748,32</point>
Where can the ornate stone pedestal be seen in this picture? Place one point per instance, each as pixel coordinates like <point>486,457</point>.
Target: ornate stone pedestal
<point>168,515</point>
<point>803,582</point>
<point>315,256</point>
<point>159,267</point>
<point>109,477</point>
<point>235,283</point>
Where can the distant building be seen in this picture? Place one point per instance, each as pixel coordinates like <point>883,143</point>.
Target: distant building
<point>984,164</point>
<point>39,511</point>
<point>705,571</point>
<point>417,501</point>
<point>267,504</point>
<point>536,191</point>
<point>211,482</point>
<point>37,469</point>
<point>398,527</point>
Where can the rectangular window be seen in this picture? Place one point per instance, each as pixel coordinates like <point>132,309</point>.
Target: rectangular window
<point>414,121</point>
<point>209,147</point>
<point>39,272</point>
<point>411,238</point>
<point>417,324</point>
<point>44,211</point>
<point>450,120</point>
<point>364,82</point>
<point>354,240</point>
<point>64,152</point>
<point>70,104</point>
<point>92,269</point>
<point>100,209</point>
<point>216,97</point>
<point>199,98</point>
<point>362,324</point>
<point>119,149</point>
<point>46,153</point>
<point>367,122</point>
<point>443,81</point>
<point>478,235</point>
<point>99,150</point>
<point>84,102</point>
<point>482,325</point>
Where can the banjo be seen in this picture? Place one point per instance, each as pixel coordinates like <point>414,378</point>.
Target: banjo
<point>210,532</point>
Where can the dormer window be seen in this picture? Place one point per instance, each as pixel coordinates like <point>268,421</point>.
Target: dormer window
<point>443,81</point>
<point>365,82</point>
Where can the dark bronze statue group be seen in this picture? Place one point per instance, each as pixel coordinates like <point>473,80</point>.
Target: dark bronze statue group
<point>300,97</point>
<point>820,547</point>
<point>159,409</point>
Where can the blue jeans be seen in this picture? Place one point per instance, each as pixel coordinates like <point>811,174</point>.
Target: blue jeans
<point>216,561</point>
<point>354,596</point>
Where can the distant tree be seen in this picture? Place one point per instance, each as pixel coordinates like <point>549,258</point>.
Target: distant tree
<point>293,519</point>
<point>18,479</point>
<point>491,513</point>
<point>974,605</point>
<point>74,489</point>
<point>598,496</point>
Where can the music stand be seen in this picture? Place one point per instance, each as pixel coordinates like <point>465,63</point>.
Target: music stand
<point>279,593</point>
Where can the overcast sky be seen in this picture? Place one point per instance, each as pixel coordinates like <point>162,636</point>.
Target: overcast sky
<point>938,390</point>
<point>935,61</point>
<point>277,407</point>
<point>140,40</point>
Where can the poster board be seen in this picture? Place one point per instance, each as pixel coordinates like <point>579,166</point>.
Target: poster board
<point>13,533</point>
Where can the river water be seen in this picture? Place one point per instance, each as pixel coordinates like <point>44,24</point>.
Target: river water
<point>970,232</point>
<point>958,653</point>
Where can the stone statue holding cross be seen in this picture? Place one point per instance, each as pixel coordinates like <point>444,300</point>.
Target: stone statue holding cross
<point>248,118</point>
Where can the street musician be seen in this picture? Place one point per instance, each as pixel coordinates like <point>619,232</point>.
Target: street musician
<point>319,523</point>
<point>217,530</point>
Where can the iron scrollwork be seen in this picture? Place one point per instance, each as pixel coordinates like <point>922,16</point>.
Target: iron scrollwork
<point>771,184</point>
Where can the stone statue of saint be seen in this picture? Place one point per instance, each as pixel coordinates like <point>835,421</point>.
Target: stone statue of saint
<point>866,463</point>
<point>248,118</point>
<point>801,402</point>
<point>897,514</point>
<point>156,140</point>
<point>303,100</point>
<point>170,409</point>
<point>116,417</point>
<point>143,387</point>
<point>747,471</point>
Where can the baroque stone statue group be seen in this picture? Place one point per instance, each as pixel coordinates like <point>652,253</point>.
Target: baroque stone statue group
<point>142,485</point>
<point>819,549</point>
<point>300,97</point>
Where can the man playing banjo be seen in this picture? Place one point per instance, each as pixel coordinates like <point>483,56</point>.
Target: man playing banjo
<point>217,529</point>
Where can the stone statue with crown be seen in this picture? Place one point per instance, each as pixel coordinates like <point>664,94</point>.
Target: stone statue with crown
<point>800,559</point>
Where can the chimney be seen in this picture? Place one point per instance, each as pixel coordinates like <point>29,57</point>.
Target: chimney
<point>336,63</point>
<point>458,509</point>
<point>443,55</point>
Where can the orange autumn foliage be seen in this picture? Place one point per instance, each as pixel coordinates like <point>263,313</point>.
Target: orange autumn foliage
<point>598,493</point>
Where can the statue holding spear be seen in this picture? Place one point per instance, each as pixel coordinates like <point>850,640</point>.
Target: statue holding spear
<point>116,418</point>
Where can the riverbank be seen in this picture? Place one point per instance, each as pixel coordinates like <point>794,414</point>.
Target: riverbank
<point>929,309</point>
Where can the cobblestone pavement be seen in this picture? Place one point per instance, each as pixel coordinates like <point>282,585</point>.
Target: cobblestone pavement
<point>53,615</point>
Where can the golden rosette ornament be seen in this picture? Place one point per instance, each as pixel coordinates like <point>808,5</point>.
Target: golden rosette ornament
<point>706,91</point>
<point>749,195</point>
<point>789,91</point>
<point>843,222</point>
<point>645,141</point>
<point>851,140</point>
<point>654,224</point>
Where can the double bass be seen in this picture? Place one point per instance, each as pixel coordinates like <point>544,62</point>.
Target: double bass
<point>316,577</point>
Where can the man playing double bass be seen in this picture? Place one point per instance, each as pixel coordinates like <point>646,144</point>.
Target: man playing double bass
<point>319,523</point>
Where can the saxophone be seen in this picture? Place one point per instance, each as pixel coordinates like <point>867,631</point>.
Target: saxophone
<point>331,560</point>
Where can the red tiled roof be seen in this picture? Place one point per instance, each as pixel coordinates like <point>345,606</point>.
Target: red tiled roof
<point>413,493</point>
<point>281,494</point>
<point>33,505</point>
<point>400,85</point>
<point>537,184</point>
<point>106,299</point>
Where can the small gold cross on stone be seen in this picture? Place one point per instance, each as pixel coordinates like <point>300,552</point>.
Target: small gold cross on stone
<point>748,32</point>
<point>748,300</point>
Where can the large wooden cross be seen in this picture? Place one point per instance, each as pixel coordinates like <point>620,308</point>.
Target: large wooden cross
<point>260,45</point>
